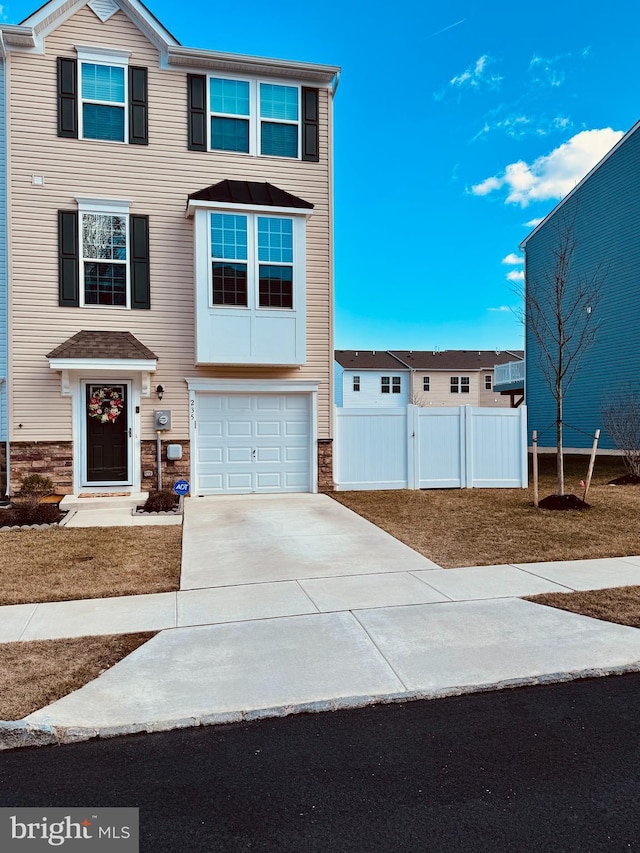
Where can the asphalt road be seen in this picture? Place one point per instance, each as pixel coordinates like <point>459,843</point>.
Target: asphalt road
<point>553,768</point>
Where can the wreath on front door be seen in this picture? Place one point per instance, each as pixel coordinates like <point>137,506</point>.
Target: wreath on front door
<point>105,405</point>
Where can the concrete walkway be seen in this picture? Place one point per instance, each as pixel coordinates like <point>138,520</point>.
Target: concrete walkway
<point>292,603</point>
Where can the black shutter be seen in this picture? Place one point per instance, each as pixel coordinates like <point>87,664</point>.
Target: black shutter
<point>68,258</point>
<point>310,125</point>
<point>197,101</point>
<point>68,97</point>
<point>139,246</point>
<point>138,106</point>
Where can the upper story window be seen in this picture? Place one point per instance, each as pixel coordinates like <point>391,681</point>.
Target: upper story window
<point>103,255</point>
<point>426,383</point>
<point>279,110</point>
<point>460,385</point>
<point>356,383</point>
<point>101,97</point>
<point>390,384</point>
<point>487,382</point>
<point>253,117</point>
<point>252,260</point>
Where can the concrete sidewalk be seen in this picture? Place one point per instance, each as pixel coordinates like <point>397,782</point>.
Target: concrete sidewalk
<point>292,603</point>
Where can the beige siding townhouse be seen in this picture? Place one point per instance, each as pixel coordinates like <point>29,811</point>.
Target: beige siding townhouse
<point>170,258</point>
<point>424,378</point>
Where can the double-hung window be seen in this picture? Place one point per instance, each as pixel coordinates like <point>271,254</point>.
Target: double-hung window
<point>103,255</point>
<point>230,114</point>
<point>390,384</point>
<point>426,383</point>
<point>104,258</point>
<point>103,85</point>
<point>103,102</point>
<point>250,116</point>
<point>102,97</point>
<point>460,385</point>
<point>252,260</point>
<point>356,383</point>
<point>487,382</point>
<point>279,111</point>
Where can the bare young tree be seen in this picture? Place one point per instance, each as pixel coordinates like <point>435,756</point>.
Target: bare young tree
<point>560,312</point>
<point>621,419</point>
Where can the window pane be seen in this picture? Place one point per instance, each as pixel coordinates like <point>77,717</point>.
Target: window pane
<point>279,140</point>
<point>275,287</point>
<point>279,102</point>
<point>104,237</point>
<point>229,284</point>
<point>229,236</point>
<point>275,240</point>
<point>230,134</point>
<point>102,83</point>
<point>100,122</point>
<point>105,284</point>
<point>229,96</point>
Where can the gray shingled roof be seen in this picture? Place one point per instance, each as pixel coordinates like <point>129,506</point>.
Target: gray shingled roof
<point>367,360</point>
<point>102,345</point>
<point>250,192</point>
<point>453,359</point>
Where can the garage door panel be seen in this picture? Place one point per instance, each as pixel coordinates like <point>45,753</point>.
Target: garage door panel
<point>239,454</point>
<point>269,454</point>
<point>239,481</point>
<point>209,454</point>
<point>239,403</point>
<point>239,428</point>
<point>211,428</point>
<point>252,443</point>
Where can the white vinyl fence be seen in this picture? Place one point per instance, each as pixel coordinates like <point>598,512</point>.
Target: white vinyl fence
<point>418,448</point>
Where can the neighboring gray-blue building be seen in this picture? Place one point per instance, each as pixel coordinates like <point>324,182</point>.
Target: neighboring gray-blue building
<point>603,214</point>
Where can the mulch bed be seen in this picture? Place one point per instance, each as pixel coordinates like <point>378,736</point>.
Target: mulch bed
<point>563,502</point>
<point>626,480</point>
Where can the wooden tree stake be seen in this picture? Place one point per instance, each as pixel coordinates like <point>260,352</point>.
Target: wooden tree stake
<point>591,463</point>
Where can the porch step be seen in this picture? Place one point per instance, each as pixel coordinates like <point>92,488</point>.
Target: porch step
<point>103,501</point>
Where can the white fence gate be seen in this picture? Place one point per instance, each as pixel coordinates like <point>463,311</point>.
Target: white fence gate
<point>412,447</point>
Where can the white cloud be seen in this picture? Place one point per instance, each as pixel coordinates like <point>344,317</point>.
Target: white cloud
<point>477,75</point>
<point>513,259</point>
<point>501,309</point>
<point>515,275</point>
<point>553,175</point>
<point>533,223</point>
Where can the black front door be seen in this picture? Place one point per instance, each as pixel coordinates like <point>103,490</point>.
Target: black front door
<point>107,433</point>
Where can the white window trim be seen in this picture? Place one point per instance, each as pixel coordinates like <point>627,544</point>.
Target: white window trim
<point>255,119</point>
<point>426,380</point>
<point>488,386</point>
<point>103,56</point>
<point>106,207</point>
<point>396,385</point>
<point>253,263</point>
<point>356,381</point>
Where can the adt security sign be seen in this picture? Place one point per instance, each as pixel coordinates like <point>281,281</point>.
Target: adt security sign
<point>181,487</point>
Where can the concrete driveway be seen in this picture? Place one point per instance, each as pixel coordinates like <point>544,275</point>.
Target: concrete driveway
<point>246,539</point>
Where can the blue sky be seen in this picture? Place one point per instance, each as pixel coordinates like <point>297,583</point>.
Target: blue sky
<point>456,125</point>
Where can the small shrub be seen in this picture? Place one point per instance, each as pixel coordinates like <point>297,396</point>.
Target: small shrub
<point>35,486</point>
<point>161,501</point>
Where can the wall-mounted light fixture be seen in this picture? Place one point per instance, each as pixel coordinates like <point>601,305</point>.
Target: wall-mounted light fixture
<point>160,391</point>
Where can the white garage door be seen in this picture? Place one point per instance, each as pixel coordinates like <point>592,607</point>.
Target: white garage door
<point>252,443</point>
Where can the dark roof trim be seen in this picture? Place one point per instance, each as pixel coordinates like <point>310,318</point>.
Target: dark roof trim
<point>250,193</point>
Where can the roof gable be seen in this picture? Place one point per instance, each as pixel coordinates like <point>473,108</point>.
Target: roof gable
<point>572,192</point>
<point>49,16</point>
